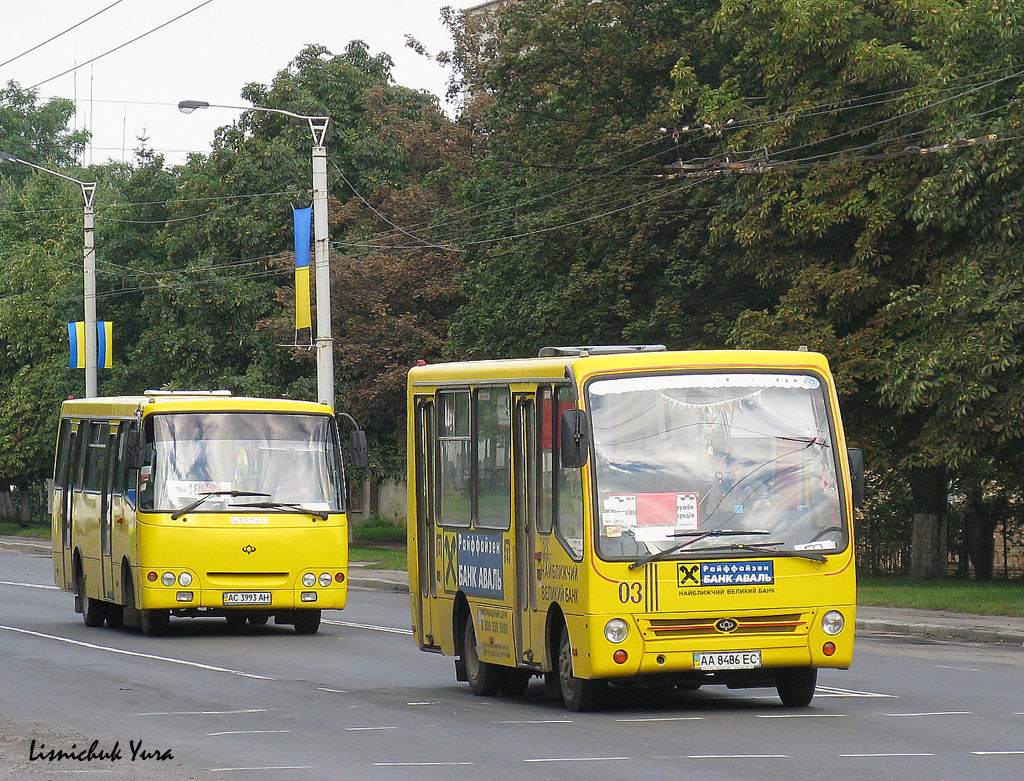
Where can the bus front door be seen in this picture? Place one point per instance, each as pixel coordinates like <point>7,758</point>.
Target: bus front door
<point>425,527</point>
<point>525,452</point>
<point>106,510</point>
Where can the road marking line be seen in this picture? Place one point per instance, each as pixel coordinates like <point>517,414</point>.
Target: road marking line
<point>392,629</point>
<point>123,652</point>
<point>738,756</point>
<point>804,716</point>
<point>892,754</point>
<point>933,713</point>
<point>205,712</point>
<point>580,759</point>
<point>250,732</point>
<point>35,545</point>
<point>665,718</point>
<point>423,703</point>
<point>366,729</point>
<point>535,721</point>
<point>996,753</point>
<point>245,769</point>
<point>966,669</point>
<point>335,691</point>
<point>28,585</point>
<point>834,691</point>
<point>418,764</point>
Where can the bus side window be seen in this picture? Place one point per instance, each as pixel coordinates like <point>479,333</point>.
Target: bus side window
<point>493,467</point>
<point>568,488</point>
<point>454,464</point>
<point>96,449</point>
<point>147,475</point>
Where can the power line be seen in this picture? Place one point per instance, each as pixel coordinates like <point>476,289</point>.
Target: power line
<point>121,46</point>
<point>58,35</point>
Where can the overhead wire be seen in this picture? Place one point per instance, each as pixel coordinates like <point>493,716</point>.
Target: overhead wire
<point>58,35</point>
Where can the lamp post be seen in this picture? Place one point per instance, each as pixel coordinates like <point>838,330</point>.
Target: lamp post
<point>89,257</point>
<point>324,340</point>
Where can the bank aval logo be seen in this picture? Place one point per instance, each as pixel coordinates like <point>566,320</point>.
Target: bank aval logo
<point>725,573</point>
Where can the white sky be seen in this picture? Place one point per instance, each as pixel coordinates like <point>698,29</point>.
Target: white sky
<point>210,54</point>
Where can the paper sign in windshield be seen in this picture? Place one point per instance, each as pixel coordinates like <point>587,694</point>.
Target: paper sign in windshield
<point>651,516</point>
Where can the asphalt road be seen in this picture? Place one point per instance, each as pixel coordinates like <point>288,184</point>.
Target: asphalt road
<point>358,701</point>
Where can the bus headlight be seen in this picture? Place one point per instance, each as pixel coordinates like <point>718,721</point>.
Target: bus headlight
<point>167,578</point>
<point>616,630</point>
<point>832,622</point>
<point>185,579</point>
<point>325,579</point>
<point>309,580</point>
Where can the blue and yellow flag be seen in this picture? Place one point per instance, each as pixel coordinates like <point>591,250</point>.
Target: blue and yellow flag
<point>303,326</point>
<point>104,344</point>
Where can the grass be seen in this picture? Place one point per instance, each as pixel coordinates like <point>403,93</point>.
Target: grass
<point>14,529</point>
<point>957,596</point>
<point>378,557</point>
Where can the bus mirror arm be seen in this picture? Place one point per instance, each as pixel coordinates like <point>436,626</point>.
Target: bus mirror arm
<point>573,442</point>
<point>856,457</point>
<point>357,443</point>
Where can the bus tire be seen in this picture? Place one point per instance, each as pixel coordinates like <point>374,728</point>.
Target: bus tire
<point>235,619</point>
<point>484,677</point>
<point>259,619</point>
<point>307,622</point>
<point>578,694</point>
<point>94,611</point>
<point>115,616</point>
<point>796,685</point>
<point>154,623</point>
<point>515,683</point>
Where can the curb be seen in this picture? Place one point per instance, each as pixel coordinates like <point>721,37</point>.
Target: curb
<point>946,631</point>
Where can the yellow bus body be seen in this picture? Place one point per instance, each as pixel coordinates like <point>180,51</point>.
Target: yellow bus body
<point>115,556</point>
<point>538,586</point>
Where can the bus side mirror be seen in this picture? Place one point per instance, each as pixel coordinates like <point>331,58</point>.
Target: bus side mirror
<point>133,449</point>
<point>856,456</point>
<point>357,443</point>
<point>573,442</point>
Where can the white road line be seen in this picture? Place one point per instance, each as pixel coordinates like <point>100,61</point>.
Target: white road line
<point>883,755</point>
<point>250,732</point>
<point>422,703</point>
<point>933,713</point>
<point>834,691</point>
<point>580,759</point>
<point>247,769</point>
<point>965,669</point>
<point>28,585</point>
<point>334,691</point>
<point>535,721</point>
<point>367,729</point>
<point>395,630</point>
<point>804,716</point>
<point>996,753</point>
<point>664,718</point>
<point>738,756</point>
<point>418,764</point>
<point>205,712</point>
<point>137,654</point>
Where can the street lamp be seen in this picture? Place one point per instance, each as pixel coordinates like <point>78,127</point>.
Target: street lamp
<point>88,192</point>
<point>324,340</point>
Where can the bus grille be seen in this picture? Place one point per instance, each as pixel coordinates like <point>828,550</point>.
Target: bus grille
<point>704,626</point>
<point>247,579</point>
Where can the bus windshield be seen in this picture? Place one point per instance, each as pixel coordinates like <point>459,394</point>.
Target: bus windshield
<point>289,459</point>
<point>730,464</point>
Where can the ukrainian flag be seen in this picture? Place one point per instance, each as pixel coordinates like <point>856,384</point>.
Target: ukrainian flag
<point>104,344</point>
<point>303,326</point>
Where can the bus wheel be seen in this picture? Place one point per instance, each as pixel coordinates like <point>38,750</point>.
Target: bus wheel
<point>579,694</point>
<point>257,619</point>
<point>154,623</point>
<point>484,678</point>
<point>307,622</point>
<point>115,616</point>
<point>515,683</point>
<point>796,685</point>
<point>94,611</point>
<point>235,619</point>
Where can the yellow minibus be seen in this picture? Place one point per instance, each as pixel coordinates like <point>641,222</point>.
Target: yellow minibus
<point>200,504</point>
<point>630,515</point>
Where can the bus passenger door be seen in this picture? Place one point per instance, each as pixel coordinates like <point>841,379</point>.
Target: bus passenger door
<point>106,511</point>
<point>62,484</point>
<point>525,452</point>
<point>425,526</point>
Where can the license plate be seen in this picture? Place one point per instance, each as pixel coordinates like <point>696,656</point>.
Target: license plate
<point>727,660</point>
<point>247,597</point>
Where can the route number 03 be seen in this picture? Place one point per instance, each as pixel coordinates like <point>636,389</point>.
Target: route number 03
<point>631,592</point>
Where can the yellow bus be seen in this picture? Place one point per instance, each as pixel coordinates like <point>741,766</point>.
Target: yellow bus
<point>629,515</point>
<point>200,504</point>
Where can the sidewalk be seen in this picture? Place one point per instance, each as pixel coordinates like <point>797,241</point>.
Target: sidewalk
<point>1006,630</point>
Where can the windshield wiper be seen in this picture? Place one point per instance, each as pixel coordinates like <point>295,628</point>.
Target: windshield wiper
<point>285,505</point>
<point>203,497</point>
<point>694,537</point>
<point>764,549</point>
